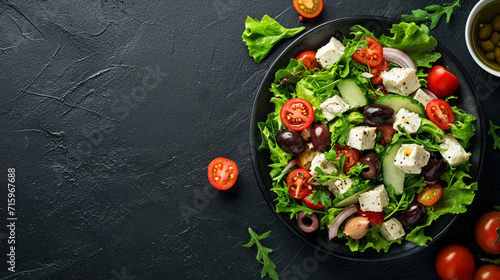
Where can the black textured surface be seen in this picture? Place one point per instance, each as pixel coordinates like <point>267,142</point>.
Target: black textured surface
<point>110,112</point>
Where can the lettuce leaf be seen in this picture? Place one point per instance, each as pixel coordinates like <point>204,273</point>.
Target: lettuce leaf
<point>463,128</point>
<point>261,36</point>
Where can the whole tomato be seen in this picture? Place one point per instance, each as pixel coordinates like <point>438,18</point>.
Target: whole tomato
<point>486,233</point>
<point>455,262</point>
<point>487,272</point>
<point>441,82</point>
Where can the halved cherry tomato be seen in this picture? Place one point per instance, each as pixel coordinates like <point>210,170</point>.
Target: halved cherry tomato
<point>309,59</point>
<point>310,203</point>
<point>430,194</point>
<point>377,70</point>
<point>222,173</point>
<point>308,8</point>
<point>387,133</point>
<point>441,82</point>
<point>371,55</point>
<point>440,113</point>
<point>487,272</point>
<point>486,233</point>
<point>376,218</point>
<point>352,156</point>
<point>455,262</point>
<point>297,114</point>
<point>298,183</point>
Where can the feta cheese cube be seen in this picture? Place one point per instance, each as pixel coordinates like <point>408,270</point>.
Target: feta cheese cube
<point>455,154</point>
<point>362,137</point>
<point>339,186</point>
<point>408,120</point>
<point>333,106</point>
<point>324,164</point>
<point>392,229</point>
<point>422,97</point>
<point>402,81</point>
<point>330,53</point>
<point>374,200</point>
<point>411,158</point>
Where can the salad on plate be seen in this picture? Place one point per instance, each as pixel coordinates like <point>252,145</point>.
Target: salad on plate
<point>364,141</point>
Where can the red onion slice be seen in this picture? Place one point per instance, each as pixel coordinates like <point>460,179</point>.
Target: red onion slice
<point>430,93</point>
<point>290,164</point>
<point>399,57</point>
<point>334,227</point>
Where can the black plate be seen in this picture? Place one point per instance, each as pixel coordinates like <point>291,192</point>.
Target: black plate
<point>313,39</point>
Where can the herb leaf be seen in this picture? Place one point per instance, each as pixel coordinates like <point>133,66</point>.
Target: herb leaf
<point>262,254</point>
<point>496,138</point>
<point>436,12</point>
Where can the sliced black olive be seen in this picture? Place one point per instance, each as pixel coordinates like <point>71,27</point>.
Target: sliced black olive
<point>414,215</point>
<point>374,166</point>
<point>291,141</point>
<point>307,222</point>
<point>320,137</point>
<point>377,114</point>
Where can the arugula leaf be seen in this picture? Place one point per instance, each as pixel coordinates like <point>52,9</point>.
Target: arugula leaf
<point>261,36</point>
<point>262,254</point>
<point>436,12</point>
<point>496,138</point>
<point>322,196</point>
<point>339,130</point>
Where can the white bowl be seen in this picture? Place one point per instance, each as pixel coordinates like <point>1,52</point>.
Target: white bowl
<point>482,12</point>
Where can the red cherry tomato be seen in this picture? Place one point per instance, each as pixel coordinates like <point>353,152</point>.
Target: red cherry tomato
<point>310,203</point>
<point>430,194</point>
<point>298,183</point>
<point>487,272</point>
<point>309,59</point>
<point>377,70</point>
<point>387,133</point>
<point>455,262</point>
<point>222,173</point>
<point>351,156</point>
<point>371,55</point>
<point>308,8</point>
<point>440,113</point>
<point>376,218</point>
<point>441,82</point>
<point>485,232</point>
<point>297,114</point>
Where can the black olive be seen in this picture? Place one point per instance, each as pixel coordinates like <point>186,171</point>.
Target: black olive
<point>307,222</point>
<point>433,170</point>
<point>374,166</point>
<point>320,137</point>
<point>415,214</point>
<point>377,114</point>
<point>291,141</point>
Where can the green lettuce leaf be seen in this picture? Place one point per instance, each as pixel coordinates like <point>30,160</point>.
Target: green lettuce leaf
<point>463,128</point>
<point>261,36</point>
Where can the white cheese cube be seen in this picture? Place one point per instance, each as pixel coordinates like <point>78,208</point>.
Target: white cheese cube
<point>324,164</point>
<point>330,53</point>
<point>339,186</point>
<point>455,154</point>
<point>362,137</point>
<point>392,229</point>
<point>333,106</point>
<point>411,158</point>
<point>374,200</point>
<point>422,97</point>
<point>408,120</point>
<point>402,81</point>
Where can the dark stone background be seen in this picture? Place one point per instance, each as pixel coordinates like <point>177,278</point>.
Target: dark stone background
<point>111,111</point>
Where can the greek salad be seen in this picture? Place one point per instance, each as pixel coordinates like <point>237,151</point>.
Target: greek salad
<point>365,141</point>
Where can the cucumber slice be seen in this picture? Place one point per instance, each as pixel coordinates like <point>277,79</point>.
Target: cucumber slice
<point>351,196</point>
<point>352,93</point>
<point>396,102</point>
<point>393,176</point>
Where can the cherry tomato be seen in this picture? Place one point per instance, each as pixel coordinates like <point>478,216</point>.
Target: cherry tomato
<point>297,114</point>
<point>298,183</point>
<point>371,55</point>
<point>308,8</point>
<point>309,59</point>
<point>485,232</point>
<point>441,82</point>
<point>455,262</point>
<point>440,113</point>
<point>310,203</point>
<point>387,133</point>
<point>222,173</point>
<point>487,272</point>
<point>352,156</point>
<point>430,194</point>
<point>376,218</point>
<point>377,70</point>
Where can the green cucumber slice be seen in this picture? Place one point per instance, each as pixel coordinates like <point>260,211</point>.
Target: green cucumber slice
<point>393,176</point>
<point>352,93</point>
<point>351,196</point>
<point>396,102</point>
